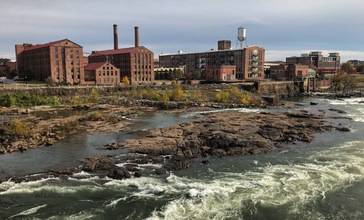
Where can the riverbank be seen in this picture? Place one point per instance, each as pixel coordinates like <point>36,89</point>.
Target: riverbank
<point>43,126</point>
<point>215,134</point>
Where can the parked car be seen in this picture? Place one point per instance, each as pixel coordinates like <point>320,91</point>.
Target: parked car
<point>17,78</point>
<point>2,79</point>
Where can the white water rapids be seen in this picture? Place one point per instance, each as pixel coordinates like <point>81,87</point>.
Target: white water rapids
<point>296,184</point>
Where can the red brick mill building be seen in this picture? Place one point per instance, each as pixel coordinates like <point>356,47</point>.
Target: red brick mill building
<point>58,61</point>
<point>137,63</point>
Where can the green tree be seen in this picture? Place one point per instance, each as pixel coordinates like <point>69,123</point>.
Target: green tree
<point>197,75</point>
<point>360,68</point>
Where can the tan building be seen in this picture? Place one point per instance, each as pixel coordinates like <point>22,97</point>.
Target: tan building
<point>295,71</point>
<point>102,73</point>
<point>324,65</point>
<point>161,73</point>
<point>249,61</point>
<point>59,61</point>
<point>221,73</point>
<point>137,63</point>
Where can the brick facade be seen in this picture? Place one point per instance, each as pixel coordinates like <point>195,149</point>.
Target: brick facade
<point>137,63</point>
<point>249,61</point>
<point>58,61</point>
<point>221,73</point>
<point>102,73</point>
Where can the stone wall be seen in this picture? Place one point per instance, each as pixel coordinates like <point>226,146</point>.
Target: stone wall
<point>283,89</point>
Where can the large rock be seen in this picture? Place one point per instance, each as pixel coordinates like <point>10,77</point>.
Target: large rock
<point>228,133</point>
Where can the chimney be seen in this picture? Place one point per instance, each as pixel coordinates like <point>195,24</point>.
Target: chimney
<point>115,37</point>
<point>136,33</point>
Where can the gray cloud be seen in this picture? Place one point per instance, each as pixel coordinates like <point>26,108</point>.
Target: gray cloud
<point>190,25</point>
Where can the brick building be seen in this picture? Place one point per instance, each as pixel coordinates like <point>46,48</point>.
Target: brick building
<point>137,63</point>
<point>249,61</point>
<point>289,72</point>
<point>278,72</point>
<point>324,65</point>
<point>102,73</point>
<point>221,73</point>
<point>58,61</point>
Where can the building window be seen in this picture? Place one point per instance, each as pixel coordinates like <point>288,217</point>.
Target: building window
<point>71,50</point>
<point>56,49</point>
<point>57,62</point>
<point>76,49</point>
<point>71,56</point>
<point>77,56</point>
<point>56,55</point>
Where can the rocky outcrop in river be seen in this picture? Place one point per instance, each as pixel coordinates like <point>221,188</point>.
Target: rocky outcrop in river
<point>228,133</point>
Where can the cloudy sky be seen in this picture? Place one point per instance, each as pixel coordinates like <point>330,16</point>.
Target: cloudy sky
<point>283,27</point>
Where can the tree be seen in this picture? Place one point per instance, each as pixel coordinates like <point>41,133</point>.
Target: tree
<point>197,75</point>
<point>125,81</point>
<point>343,82</point>
<point>4,61</point>
<point>360,68</point>
<point>347,68</point>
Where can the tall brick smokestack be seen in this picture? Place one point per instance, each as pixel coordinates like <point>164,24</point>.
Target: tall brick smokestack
<point>116,37</point>
<point>136,33</point>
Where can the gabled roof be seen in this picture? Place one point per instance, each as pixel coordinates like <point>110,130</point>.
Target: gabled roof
<point>37,46</point>
<point>94,66</point>
<point>112,52</point>
<point>117,51</point>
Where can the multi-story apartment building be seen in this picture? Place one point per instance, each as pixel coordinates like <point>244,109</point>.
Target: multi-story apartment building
<point>324,65</point>
<point>137,63</point>
<point>249,61</point>
<point>58,61</point>
<point>102,73</point>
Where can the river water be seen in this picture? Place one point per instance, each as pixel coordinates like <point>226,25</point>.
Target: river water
<point>323,179</point>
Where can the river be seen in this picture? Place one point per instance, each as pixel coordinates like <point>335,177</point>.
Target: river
<point>323,179</point>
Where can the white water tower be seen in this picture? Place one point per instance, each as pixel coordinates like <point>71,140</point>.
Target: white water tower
<point>241,36</point>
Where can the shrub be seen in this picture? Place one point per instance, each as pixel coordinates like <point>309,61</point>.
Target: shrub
<point>234,94</point>
<point>222,96</point>
<point>125,80</point>
<point>77,100</point>
<point>177,94</point>
<point>94,96</point>
<point>20,128</point>
<point>95,116</point>
<point>68,127</point>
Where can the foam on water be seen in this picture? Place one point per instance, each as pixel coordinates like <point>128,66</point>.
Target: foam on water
<point>53,185</point>
<point>271,186</point>
<point>28,212</point>
<point>192,114</point>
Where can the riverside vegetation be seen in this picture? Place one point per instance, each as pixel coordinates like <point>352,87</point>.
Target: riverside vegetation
<point>232,133</point>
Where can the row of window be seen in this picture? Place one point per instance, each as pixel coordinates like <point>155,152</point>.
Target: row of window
<point>71,56</point>
<point>56,49</point>
<point>72,70</point>
<point>142,79</point>
<point>142,66</point>
<point>77,62</point>
<point>108,73</point>
<point>77,76</point>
